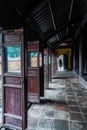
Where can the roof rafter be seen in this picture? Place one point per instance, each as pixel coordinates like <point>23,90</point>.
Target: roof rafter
<point>70,13</point>
<point>52,16</point>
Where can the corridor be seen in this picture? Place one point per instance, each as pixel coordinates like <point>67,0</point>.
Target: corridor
<point>64,106</point>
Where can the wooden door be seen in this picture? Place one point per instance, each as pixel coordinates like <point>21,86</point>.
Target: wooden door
<point>33,72</point>
<point>46,68</point>
<point>14,103</point>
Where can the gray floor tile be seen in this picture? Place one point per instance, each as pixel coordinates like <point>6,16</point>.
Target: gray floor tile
<point>83,103</point>
<point>70,93</point>
<point>35,113</point>
<point>47,113</point>
<point>84,110</point>
<point>73,109</point>
<point>44,124</point>
<point>71,98</point>
<point>71,102</point>
<point>61,115</point>
<point>78,126</point>
<point>61,125</point>
<point>75,116</point>
<point>85,117</point>
<point>32,122</point>
<point>78,94</point>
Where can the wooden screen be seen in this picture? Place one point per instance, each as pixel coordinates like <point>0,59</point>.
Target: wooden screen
<point>46,68</point>
<point>33,71</point>
<point>14,103</point>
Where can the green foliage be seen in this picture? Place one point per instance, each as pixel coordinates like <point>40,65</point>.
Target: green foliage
<point>13,51</point>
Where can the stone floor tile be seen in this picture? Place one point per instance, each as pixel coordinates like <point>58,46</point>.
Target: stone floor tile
<point>82,98</point>
<point>61,106</point>
<point>78,94</point>
<point>84,109</point>
<point>60,125</point>
<point>78,126</point>
<point>75,88</point>
<point>84,116</point>
<point>30,129</point>
<point>71,102</point>
<point>83,103</point>
<point>85,94</point>
<point>45,124</point>
<point>61,115</point>
<point>47,113</point>
<point>75,116</point>
<point>71,98</point>
<point>70,93</point>
<point>32,122</point>
<point>73,109</point>
<point>35,113</point>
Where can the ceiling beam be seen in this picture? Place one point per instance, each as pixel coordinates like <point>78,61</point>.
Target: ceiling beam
<point>37,29</point>
<point>70,14</point>
<point>58,43</point>
<point>52,16</point>
<point>52,34</point>
<point>84,20</point>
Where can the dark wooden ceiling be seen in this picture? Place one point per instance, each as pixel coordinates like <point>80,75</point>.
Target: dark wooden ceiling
<point>53,20</point>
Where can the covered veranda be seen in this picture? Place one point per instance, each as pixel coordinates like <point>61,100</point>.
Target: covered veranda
<point>37,88</point>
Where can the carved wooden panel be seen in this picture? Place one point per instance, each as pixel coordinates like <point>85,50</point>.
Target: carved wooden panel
<point>12,101</point>
<point>14,122</point>
<point>33,84</point>
<point>12,80</point>
<point>34,98</point>
<point>11,38</point>
<point>32,72</point>
<point>33,46</point>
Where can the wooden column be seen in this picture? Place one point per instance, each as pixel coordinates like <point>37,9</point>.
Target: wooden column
<point>80,54</point>
<point>74,55</point>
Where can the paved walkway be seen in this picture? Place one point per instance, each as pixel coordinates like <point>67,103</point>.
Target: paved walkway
<point>64,106</point>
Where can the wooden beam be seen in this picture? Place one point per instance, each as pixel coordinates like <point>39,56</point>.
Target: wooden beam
<point>70,13</point>
<point>84,20</point>
<point>52,16</point>
<point>55,32</point>
<point>58,43</point>
<point>36,28</point>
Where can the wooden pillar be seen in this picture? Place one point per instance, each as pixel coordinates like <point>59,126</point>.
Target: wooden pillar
<point>74,55</point>
<point>50,64</point>
<point>80,54</point>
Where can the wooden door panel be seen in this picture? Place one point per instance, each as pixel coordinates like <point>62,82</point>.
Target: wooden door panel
<point>12,80</point>
<point>13,96</point>
<point>9,121</point>
<point>33,86</point>
<point>46,68</point>
<point>33,72</point>
<point>33,89</point>
<point>14,103</point>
